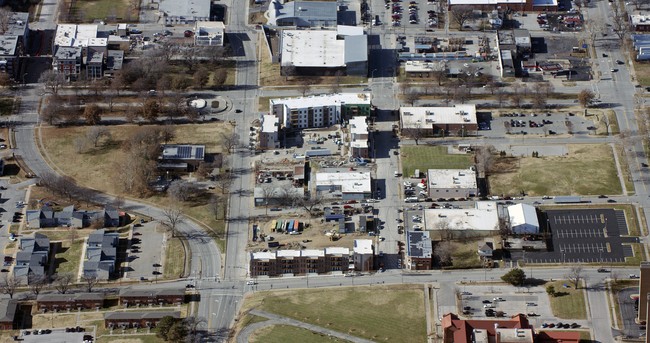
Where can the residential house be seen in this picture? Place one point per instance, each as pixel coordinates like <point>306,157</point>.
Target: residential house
<point>67,302</point>
<point>319,110</point>
<point>101,254</point>
<point>137,319</point>
<point>485,250</point>
<point>141,297</point>
<point>181,157</point>
<point>70,217</point>
<point>32,256</point>
<point>7,313</point>
<point>419,251</point>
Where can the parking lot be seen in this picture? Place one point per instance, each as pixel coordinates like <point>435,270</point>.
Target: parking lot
<point>629,312</point>
<point>547,124</point>
<point>409,14</point>
<point>57,336</point>
<point>146,250</point>
<point>589,235</point>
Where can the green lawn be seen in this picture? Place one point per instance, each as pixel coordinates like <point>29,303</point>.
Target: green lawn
<point>287,334</point>
<point>378,313</point>
<point>570,304</point>
<point>588,169</point>
<point>68,257</point>
<point>465,255</point>
<point>89,10</point>
<point>425,157</point>
<point>174,259</point>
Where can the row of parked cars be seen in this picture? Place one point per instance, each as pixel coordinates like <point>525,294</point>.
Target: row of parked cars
<point>560,325</point>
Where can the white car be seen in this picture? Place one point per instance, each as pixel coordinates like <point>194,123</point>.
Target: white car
<point>416,217</point>
<point>498,299</point>
<point>408,184</point>
<point>489,306</point>
<point>417,227</point>
<point>251,282</point>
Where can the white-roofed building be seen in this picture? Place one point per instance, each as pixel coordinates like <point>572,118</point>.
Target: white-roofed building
<point>209,33</point>
<point>515,5</point>
<point>523,219</point>
<point>319,110</point>
<point>464,222</point>
<point>452,183</point>
<point>305,13</point>
<point>346,185</point>
<point>184,12</point>
<point>310,52</point>
<point>76,46</point>
<point>364,253</point>
<point>268,135</point>
<point>358,138</point>
<point>457,120</point>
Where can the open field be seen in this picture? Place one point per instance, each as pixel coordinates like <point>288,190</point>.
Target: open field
<point>87,10</point>
<point>465,255</point>
<point>378,313</point>
<point>570,303</point>
<point>425,157</point>
<point>642,71</point>
<point>587,170</point>
<point>287,333</point>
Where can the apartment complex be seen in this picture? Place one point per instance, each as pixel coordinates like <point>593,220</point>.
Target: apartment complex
<point>300,262</point>
<point>269,134</point>
<point>63,302</point>
<point>319,110</point>
<point>141,297</point>
<point>101,254</point>
<point>32,256</point>
<point>13,43</point>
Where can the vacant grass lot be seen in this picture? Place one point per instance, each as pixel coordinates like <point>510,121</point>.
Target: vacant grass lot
<point>89,10</point>
<point>588,169</point>
<point>642,70</point>
<point>425,157</point>
<point>378,313</point>
<point>150,338</point>
<point>287,333</point>
<point>174,259</point>
<point>570,304</point>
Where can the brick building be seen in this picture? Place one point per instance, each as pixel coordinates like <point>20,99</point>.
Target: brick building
<point>137,297</point>
<point>419,250</point>
<point>137,318</point>
<point>300,262</point>
<point>7,313</point>
<point>79,301</point>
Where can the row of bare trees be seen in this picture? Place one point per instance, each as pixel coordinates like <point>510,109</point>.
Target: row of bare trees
<point>62,283</point>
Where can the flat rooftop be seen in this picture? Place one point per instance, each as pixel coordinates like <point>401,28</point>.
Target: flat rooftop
<point>75,35</point>
<point>461,219</point>
<point>422,117</point>
<point>324,100</point>
<point>353,182</point>
<point>419,244</point>
<point>187,8</point>
<point>270,123</point>
<point>363,246</point>
<point>451,178</point>
<point>312,49</point>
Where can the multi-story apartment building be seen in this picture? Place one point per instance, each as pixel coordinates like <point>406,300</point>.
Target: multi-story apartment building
<point>359,145</point>
<point>13,41</point>
<point>299,262</point>
<point>319,110</point>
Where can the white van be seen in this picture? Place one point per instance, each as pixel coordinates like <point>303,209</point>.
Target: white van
<point>411,199</point>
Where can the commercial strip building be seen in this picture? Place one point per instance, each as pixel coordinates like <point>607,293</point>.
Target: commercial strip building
<point>452,183</point>
<point>458,120</point>
<point>346,185</point>
<point>419,250</point>
<point>299,262</point>
<point>515,47</point>
<point>514,5</point>
<point>319,110</point>
<point>322,52</point>
<point>364,254</point>
<point>305,14</point>
<point>358,144</point>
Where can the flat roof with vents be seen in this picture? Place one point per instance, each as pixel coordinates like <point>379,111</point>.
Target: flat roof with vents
<point>425,117</point>
<point>183,152</point>
<point>419,244</point>
<point>354,182</point>
<point>451,178</point>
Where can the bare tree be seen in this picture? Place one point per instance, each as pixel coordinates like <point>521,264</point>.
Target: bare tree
<point>414,131</point>
<point>214,205</point>
<point>193,323</point>
<point>593,28</point>
<point>268,192</point>
<point>620,25</point>
<point>63,282</point>
<point>500,95</point>
<point>52,81</point>
<point>118,202</point>
<point>8,285</point>
<point>150,110</point>
<point>444,227</point>
<point>485,159</point>
<point>410,94</point>
<point>569,126</point>
<point>461,15</point>
<point>585,97</point>
<point>310,202</point>
<point>80,144</point>
<point>183,190</point>
<point>516,99</point>
<point>503,228</point>
<point>230,141</point>
<point>604,119</point>
<point>36,283</point>
<point>575,275</point>
<point>335,86</point>
<point>95,133</point>
<point>90,281</point>
<point>304,86</point>
<point>93,114</point>
<point>443,252</point>
<point>508,126</point>
<point>224,182</point>
<point>172,218</point>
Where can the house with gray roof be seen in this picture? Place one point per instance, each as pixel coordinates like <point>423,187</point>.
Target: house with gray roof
<point>70,217</point>
<point>32,256</point>
<point>305,13</point>
<point>7,313</point>
<point>101,254</point>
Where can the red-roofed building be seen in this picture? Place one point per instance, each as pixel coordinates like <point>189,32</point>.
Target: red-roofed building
<point>513,330</point>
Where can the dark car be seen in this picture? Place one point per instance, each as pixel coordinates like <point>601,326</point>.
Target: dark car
<point>603,270</point>
<point>619,62</point>
<point>188,33</point>
<point>602,196</point>
<point>644,165</point>
<point>611,201</point>
<point>135,31</point>
<point>487,301</point>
